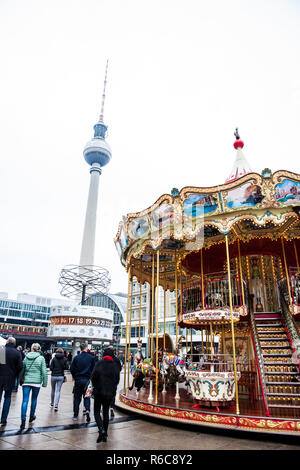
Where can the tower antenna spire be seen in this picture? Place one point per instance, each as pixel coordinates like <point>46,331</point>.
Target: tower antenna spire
<point>103,95</point>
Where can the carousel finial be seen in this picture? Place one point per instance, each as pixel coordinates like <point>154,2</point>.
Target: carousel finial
<point>237,136</point>
<point>238,142</point>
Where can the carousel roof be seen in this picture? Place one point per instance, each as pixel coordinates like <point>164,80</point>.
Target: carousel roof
<point>250,207</point>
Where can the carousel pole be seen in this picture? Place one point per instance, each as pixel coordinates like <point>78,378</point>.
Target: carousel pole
<point>126,335</point>
<point>274,280</point>
<point>286,271</point>
<point>223,343</point>
<point>232,328</point>
<point>152,308</point>
<point>211,343</point>
<point>186,340</point>
<point>296,255</point>
<point>140,309</point>
<point>192,344</point>
<point>176,296</point>
<point>241,273</point>
<point>165,313</point>
<point>130,311</point>
<point>202,281</point>
<point>156,321</point>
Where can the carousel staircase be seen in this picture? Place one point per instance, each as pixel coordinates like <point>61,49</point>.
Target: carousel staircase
<point>281,378</point>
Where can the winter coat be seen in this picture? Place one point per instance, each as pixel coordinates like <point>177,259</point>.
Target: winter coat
<point>12,367</point>
<point>58,365</point>
<point>82,366</point>
<point>34,372</point>
<point>105,378</point>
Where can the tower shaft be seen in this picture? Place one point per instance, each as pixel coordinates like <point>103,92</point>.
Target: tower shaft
<point>89,232</point>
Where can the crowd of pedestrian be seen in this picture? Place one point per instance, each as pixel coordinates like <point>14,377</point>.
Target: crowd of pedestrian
<point>92,376</point>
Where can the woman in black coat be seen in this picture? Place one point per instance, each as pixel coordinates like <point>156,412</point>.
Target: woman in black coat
<point>105,378</point>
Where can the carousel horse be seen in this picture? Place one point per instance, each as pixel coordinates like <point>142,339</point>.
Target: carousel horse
<point>146,369</point>
<point>173,365</point>
<point>138,357</point>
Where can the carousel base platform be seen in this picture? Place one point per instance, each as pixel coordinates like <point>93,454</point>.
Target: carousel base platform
<point>251,418</point>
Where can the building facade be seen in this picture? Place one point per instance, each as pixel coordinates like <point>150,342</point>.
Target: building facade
<point>140,314</point>
<point>27,319</point>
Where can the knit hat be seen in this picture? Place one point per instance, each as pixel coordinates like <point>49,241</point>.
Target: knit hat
<point>108,352</point>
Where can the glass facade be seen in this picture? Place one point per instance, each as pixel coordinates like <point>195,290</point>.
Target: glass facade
<point>9,308</point>
<point>116,303</point>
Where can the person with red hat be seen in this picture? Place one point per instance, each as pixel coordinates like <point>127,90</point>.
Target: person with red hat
<point>105,379</point>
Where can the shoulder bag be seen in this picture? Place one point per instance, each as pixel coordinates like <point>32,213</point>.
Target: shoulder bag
<point>23,378</point>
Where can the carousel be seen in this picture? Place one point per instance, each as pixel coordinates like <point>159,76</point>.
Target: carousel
<point>230,254</point>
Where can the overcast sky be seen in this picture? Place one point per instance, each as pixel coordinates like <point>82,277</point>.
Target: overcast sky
<point>182,76</point>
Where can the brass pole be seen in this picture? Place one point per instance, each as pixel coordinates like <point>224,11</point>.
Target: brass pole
<point>152,307</point>
<point>149,321</point>
<point>165,314</point>
<point>202,341</point>
<point>211,343</point>
<point>202,281</point>
<point>130,311</point>
<point>223,340</point>
<point>126,334</point>
<point>232,328</point>
<point>140,310</point>
<point>156,321</point>
<point>274,279</point>
<point>241,273</point>
<point>186,340</point>
<point>286,271</point>
<point>296,256</point>
<point>176,297</point>
<point>192,344</point>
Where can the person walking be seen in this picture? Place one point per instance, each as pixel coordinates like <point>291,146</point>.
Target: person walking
<point>118,365</point>
<point>105,379</point>
<point>34,375</point>
<point>9,372</point>
<point>58,365</point>
<point>81,369</point>
<point>16,385</point>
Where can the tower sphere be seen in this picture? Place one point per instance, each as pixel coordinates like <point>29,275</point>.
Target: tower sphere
<point>97,150</point>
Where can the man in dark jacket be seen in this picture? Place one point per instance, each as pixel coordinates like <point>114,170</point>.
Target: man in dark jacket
<point>119,368</point>
<point>8,374</point>
<point>81,369</point>
<point>105,379</point>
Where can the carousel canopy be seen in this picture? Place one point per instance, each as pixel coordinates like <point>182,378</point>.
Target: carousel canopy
<point>258,210</point>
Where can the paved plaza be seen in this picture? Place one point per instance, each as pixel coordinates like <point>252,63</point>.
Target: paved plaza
<point>57,431</point>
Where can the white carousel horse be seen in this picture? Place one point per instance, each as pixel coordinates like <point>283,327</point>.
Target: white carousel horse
<point>138,357</point>
<point>173,365</point>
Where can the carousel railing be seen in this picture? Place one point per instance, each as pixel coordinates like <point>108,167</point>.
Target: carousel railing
<point>212,293</point>
<point>288,319</point>
<point>223,363</point>
<point>259,362</point>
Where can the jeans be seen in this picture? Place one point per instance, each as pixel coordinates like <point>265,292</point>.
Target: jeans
<point>56,383</point>
<point>98,402</point>
<point>16,385</point>
<point>34,394</point>
<point>6,404</point>
<point>79,391</point>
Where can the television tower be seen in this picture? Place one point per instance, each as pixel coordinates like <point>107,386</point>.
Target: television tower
<point>97,153</point>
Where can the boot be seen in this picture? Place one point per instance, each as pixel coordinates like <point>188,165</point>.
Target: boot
<point>104,436</point>
<point>23,424</point>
